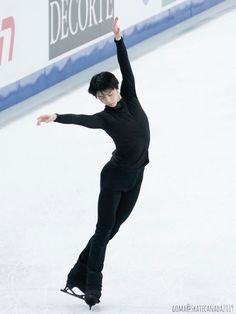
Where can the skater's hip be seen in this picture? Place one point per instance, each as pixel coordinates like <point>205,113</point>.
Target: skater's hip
<point>115,178</point>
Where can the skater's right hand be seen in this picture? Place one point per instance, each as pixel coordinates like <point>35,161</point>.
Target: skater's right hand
<point>46,118</point>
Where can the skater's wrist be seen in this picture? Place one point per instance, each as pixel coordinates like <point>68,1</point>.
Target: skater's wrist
<point>54,117</point>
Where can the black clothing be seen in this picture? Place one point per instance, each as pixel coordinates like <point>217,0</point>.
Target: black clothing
<point>118,195</point>
<point>126,124</point>
<point>121,177</point>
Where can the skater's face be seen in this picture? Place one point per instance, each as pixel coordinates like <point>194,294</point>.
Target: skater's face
<point>109,97</point>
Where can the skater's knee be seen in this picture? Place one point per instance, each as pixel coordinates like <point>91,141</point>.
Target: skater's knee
<point>114,231</point>
<point>103,232</point>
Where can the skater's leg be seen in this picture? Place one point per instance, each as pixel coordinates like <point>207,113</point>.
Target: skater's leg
<point>119,213</point>
<point>107,207</point>
<point>126,205</point>
<point>77,275</point>
<point>83,258</point>
<point>109,221</point>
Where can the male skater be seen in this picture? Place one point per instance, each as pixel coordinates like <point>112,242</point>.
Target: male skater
<point>124,120</point>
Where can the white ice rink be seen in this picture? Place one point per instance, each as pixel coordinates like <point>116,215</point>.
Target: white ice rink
<point>178,246</point>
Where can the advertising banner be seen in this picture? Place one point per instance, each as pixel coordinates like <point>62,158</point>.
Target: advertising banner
<point>73,23</point>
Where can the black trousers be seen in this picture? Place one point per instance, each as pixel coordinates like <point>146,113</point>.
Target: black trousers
<point>119,190</point>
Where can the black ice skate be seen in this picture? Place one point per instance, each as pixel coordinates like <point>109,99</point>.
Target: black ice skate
<point>92,297</point>
<point>77,278</point>
<point>75,283</point>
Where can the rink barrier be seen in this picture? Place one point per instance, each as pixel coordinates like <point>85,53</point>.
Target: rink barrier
<point>63,69</point>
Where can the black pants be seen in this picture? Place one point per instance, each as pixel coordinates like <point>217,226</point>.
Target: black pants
<point>118,195</point>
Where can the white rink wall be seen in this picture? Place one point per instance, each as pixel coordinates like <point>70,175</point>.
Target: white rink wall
<point>45,42</point>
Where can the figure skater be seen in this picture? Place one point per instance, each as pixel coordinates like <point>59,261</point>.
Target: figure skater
<point>125,121</point>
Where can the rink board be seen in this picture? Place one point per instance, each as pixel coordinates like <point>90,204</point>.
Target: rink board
<point>31,64</point>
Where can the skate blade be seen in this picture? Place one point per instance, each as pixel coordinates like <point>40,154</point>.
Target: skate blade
<point>72,293</point>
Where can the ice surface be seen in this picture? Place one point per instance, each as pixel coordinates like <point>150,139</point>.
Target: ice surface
<point>178,246</point>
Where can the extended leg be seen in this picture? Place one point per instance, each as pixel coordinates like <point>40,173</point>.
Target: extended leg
<point>107,207</point>
<point>95,248</point>
<point>77,275</point>
<point>126,205</point>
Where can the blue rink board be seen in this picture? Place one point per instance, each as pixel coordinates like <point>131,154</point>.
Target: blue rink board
<point>46,77</point>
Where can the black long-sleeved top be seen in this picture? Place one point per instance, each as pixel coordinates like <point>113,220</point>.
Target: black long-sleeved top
<point>126,123</point>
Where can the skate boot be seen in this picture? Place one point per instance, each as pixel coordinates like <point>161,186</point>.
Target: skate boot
<point>77,277</point>
<point>92,297</point>
<point>93,288</point>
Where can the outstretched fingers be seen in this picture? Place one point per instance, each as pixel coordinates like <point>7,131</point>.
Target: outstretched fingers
<point>116,28</point>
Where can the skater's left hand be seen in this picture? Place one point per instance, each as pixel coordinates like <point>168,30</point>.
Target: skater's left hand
<point>116,29</point>
<point>46,118</point>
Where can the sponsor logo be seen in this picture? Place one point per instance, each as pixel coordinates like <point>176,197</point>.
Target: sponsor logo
<point>7,30</point>
<point>73,23</point>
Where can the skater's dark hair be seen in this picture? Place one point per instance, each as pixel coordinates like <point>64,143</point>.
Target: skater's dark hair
<point>103,81</point>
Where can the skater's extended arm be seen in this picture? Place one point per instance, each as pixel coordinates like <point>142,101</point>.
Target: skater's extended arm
<point>128,82</point>
<point>89,121</point>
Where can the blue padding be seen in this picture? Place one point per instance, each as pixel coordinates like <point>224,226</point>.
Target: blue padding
<point>61,70</point>
<point>199,6</point>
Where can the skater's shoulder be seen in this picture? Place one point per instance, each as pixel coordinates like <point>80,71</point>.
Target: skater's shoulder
<point>101,114</point>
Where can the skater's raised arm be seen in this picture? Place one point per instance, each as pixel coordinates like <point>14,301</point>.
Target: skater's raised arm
<point>89,121</point>
<point>128,82</point>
